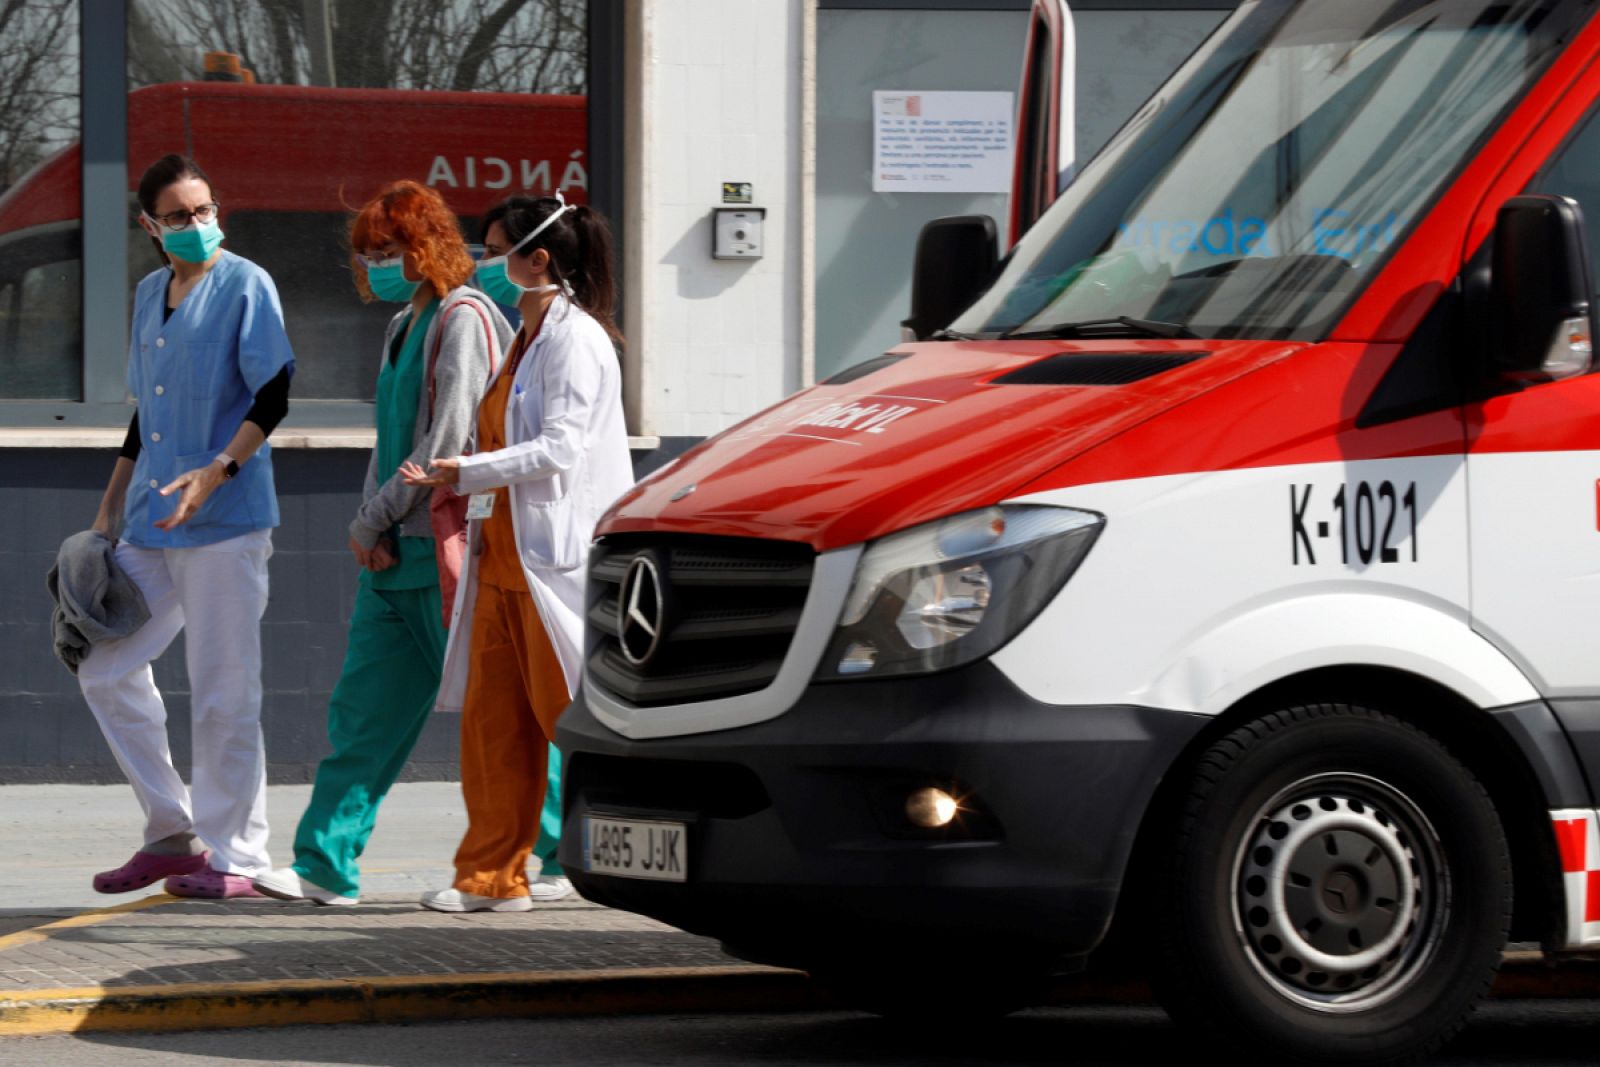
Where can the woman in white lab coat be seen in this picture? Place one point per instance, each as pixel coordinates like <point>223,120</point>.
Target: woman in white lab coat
<point>550,455</point>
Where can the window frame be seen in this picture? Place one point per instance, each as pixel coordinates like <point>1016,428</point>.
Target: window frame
<point>1541,185</point>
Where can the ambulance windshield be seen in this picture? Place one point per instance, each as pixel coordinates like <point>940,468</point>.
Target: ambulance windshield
<point>1258,190</point>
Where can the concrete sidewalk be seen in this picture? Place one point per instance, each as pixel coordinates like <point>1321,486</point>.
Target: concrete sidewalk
<point>54,837</point>
<point>72,960</point>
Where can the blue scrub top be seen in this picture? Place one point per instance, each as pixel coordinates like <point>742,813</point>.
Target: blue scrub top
<point>194,377</point>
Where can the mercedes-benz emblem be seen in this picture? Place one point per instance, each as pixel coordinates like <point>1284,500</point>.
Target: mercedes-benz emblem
<point>641,611</point>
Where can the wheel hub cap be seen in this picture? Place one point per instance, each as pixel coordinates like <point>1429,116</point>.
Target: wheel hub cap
<point>1329,893</point>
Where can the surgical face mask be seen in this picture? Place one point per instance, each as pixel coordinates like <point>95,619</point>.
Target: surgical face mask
<point>195,243</point>
<point>387,280</point>
<point>491,273</point>
<point>491,278</point>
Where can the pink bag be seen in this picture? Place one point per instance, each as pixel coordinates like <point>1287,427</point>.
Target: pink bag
<point>447,510</point>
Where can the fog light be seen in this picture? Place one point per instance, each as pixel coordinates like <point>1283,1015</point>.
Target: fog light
<point>931,808</point>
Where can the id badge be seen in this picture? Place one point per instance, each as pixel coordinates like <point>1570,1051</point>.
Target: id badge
<point>480,505</point>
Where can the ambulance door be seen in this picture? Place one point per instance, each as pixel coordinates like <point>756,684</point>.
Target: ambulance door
<point>1533,463</point>
<point>1045,130</point>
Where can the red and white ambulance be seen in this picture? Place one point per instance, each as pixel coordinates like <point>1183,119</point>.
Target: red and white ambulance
<point>1218,593</point>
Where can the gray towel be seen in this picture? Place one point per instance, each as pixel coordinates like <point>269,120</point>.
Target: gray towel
<point>95,599</point>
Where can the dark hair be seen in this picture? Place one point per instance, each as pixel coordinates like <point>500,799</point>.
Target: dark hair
<point>579,244</point>
<point>163,172</point>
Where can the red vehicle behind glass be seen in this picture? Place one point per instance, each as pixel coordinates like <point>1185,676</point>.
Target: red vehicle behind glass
<point>288,163</point>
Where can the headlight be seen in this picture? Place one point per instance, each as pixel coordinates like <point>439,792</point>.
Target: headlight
<point>949,592</point>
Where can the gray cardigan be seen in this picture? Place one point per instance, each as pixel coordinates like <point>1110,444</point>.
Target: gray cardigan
<point>460,376</point>
<point>95,599</point>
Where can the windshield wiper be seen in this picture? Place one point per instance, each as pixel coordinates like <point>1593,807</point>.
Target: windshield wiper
<point>1064,330</point>
<point>955,335</point>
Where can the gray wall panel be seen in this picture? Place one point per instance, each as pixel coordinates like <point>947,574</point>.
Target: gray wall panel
<point>46,731</point>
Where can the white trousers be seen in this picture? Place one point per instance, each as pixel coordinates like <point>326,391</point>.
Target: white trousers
<point>217,593</point>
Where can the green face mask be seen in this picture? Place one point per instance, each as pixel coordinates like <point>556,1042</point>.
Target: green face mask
<point>388,281</point>
<point>192,244</point>
<point>491,278</point>
<point>491,273</point>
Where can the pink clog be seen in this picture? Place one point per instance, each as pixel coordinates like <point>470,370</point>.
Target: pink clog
<point>211,885</point>
<point>146,868</point>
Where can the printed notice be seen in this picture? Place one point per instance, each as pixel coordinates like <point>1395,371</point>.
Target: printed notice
<point>941,142</point>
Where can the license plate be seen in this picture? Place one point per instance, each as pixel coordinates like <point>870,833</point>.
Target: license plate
<point>630,848</point>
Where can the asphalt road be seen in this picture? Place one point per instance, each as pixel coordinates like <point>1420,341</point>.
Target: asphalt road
<point>1505,1034</point>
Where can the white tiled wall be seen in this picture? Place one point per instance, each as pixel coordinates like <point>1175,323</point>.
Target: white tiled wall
<point>719,339</point>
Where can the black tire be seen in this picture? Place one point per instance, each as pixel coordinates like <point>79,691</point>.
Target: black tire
<point>1337,891</point>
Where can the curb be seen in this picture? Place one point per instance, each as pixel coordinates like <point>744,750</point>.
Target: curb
<point>1530,976</point>
<point>533,994</point>
<point>426,998</point>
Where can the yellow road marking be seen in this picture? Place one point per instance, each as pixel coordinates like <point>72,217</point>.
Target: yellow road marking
<point>89,918</point>
<point>298,1002</point>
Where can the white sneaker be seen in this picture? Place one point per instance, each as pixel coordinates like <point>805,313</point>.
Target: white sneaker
<point>456,900</point>
<point>549,887</point>
<point>285,883</point>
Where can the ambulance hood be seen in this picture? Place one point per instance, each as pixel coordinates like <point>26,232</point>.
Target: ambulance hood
<point>924,431</point>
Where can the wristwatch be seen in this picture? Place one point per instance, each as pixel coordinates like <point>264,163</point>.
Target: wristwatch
<point>230,466</point>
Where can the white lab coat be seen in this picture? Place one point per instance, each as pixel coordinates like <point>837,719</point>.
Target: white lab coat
<point>566,460</point>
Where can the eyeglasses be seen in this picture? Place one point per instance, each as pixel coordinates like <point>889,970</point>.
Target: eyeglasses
<point>177,220</point>
<point>377,258</point>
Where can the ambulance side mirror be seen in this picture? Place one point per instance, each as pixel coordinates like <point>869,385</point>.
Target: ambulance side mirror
<point>1541,291</point>
<point>956,259</point>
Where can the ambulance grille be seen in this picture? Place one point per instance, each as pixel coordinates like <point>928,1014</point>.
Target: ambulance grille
<point>1097,368</point>
<point>728,611</point>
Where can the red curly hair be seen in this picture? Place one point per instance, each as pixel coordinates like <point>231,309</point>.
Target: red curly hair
<point>413,216</point>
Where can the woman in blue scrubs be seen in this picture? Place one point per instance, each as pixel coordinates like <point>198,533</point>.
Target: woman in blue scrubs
<point>208,366</point>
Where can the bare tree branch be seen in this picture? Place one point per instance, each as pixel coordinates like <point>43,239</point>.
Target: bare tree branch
<point>38,94</point>
<point>280,24</point>
<point>359,43</point>
<point>12,9</point>
<point>477,48</point>
<point>495,45</point>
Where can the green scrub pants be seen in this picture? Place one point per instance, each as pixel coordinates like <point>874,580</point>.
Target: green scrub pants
<point>385,693</point>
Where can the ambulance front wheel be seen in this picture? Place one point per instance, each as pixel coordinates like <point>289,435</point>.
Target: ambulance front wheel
<point>1337,890</point>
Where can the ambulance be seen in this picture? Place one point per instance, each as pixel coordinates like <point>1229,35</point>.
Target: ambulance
<point>1210,591</point>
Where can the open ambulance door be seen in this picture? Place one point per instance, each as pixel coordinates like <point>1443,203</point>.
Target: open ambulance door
<point>1045,109</point>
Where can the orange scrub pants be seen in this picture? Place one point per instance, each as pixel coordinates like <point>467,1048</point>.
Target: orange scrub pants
<point>515,693</point>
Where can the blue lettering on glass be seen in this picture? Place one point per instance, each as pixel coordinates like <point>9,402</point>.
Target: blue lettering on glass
<point>1253,232</point>
<point>1326,236</point>
<point>1220,235</point>
<point>1347,242</point>
<point>1227,234</point>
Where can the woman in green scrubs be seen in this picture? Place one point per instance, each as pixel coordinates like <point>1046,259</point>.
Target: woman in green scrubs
<point>438,354</point>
